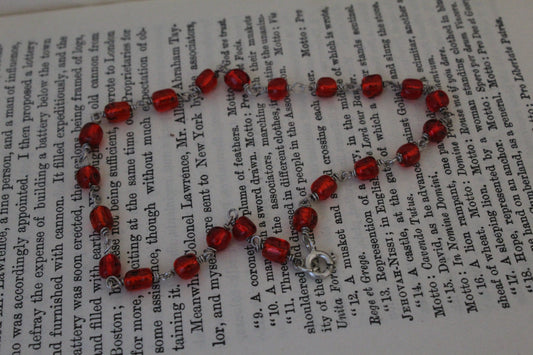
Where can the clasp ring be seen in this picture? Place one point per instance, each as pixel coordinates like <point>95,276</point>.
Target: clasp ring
<point>318,264</point>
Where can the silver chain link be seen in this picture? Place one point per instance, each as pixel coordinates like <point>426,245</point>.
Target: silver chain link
<point>427,88</point>
<point>306,201</point>
<point>162,277</point>
<point>188,96</point>
<point>142,103</point>
<point>233,214</point>
<point>94,197</point>
<point>167,275</point>
<point>387,163</point>
<point>207,255</point>
<point>343,175</point>
<point>114,283</point>
<point>106,241</point>
<point>296,262</point>
<point>222,68</point>
<point>423,141</point>
<point>255,89</point>
<point>257,242</point>
<point>351,86</point>
<point>84,153</point>
<point>308,239</point>
<point>347,87</point>
<point>445,117</point>
<point>97,117</point>
<point>394,85</point>
<point>298,88</point>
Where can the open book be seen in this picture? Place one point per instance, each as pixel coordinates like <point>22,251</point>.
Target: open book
<point>433,258</point>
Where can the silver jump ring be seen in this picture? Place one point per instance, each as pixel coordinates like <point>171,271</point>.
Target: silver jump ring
<point>113,283</point>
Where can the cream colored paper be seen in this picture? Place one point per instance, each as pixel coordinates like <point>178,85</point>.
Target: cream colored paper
<point>431,259</point>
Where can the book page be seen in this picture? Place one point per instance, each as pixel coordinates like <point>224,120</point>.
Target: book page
<point>27,6</point>
<point>433,258</point>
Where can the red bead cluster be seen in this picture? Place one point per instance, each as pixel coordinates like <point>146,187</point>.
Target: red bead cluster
<point>91,134</point>
<point>243,228</point>
<point>372,85</point>
<point>206,81</point>
<point>368,168</point>
<point>304,219</point>
<point>117,112</point>
<point>101,218</point>
<point>165,100</point>
<point>109,266</point>
<point>324,187</point>
<point>87,176</point>
<point>437,100</point>
<point>326,87</point>
<point>277,89</point>
<point>138,279</point>
<point>409,153</point>
<point>236,79</point>
<point>276,249</point>
<point>187,266</point>
<point>412,89</point>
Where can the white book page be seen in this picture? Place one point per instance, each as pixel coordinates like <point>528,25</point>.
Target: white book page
<point>435,258</point>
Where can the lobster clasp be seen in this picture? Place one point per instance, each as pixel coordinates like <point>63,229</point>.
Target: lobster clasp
<point>318,264</point>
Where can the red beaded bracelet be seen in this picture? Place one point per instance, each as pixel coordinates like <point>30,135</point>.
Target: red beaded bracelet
<point>317,264</point>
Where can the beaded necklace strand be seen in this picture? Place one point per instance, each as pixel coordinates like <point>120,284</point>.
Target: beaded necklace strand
<point>317,263</point>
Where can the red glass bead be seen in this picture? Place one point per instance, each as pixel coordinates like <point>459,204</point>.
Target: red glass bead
<point>366,168</point>
<point>410,154</point>
<point>304,217</point>
<point>91,134</point>
<point>436,100</point>
<point>372,85</point>
<point>435,130</point>
<point>277,89</point>
<point>276,249</point>
<point>101,217</point>
<point>326,87</point>
<point>324,186</point>
<point>165,100</point>
<point>87,176</point>
<point>206,81</point>
<point>243,228</point>
<point>412,89</point>
<point>109,266</point>
<point>138,279</point>
<point>118,111</point>
<point>236,79</point>
<point>186,266</point>
<point>218,238</point>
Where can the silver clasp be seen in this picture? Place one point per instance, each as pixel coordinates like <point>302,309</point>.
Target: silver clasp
<point>318,264</point>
